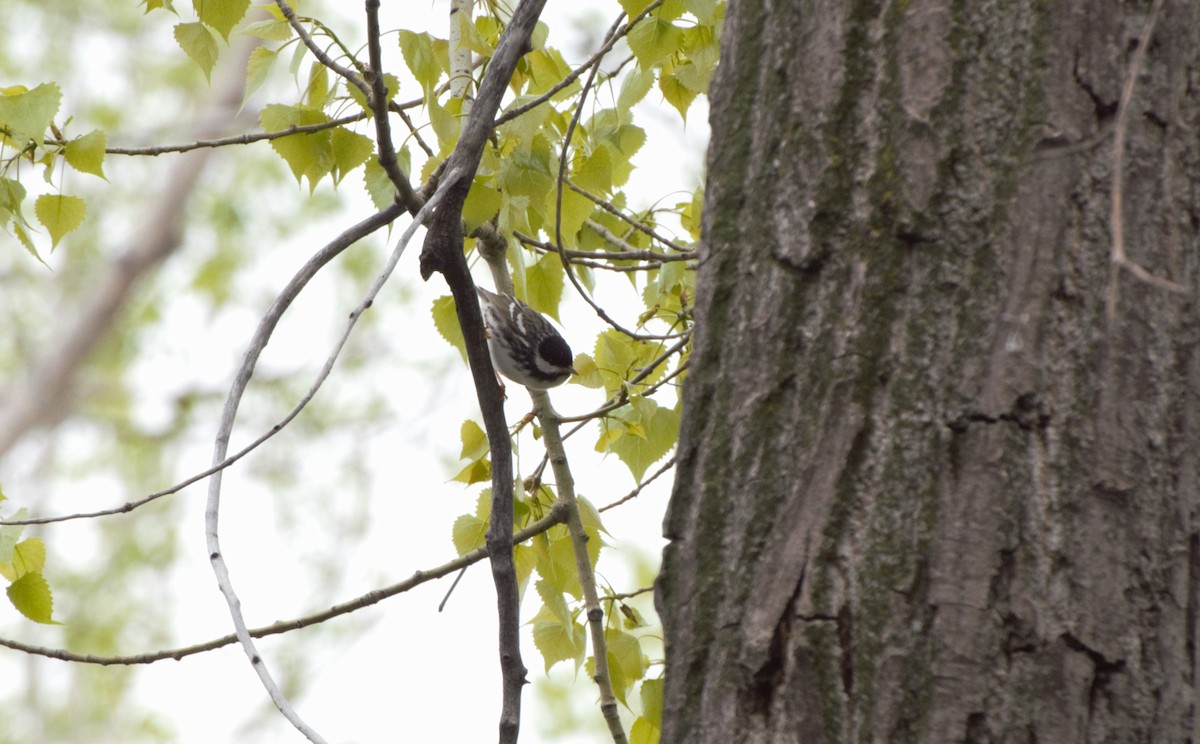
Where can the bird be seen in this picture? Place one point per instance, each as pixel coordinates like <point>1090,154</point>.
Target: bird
<point>524,347</point>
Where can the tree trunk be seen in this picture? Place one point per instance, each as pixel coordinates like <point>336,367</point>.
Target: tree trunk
<point>938,468</point>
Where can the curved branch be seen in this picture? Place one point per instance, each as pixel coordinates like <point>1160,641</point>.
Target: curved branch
<point>221,444</point>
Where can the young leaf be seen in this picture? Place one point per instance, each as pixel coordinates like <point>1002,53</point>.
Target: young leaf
<point>27,114</point>
<point>650,432</point>
<point>474,441</point>
<point>222,15</point>
<point>31,595</point>
<point>12,193</point>
<point>60,214</point>
<point>86,154</point>
<point>257,68</point>
<point>350,150</point>
<point>643,732</point>
<point>654,40</point>
<point>197,41</point>
<point>308,155</point>
<point>470,530</point>
<point>675,92</point>
<point>483,203</point>
<point>420,57</point>
<point>634,88</point>
<point>544,285</point>
<point>445,319</point>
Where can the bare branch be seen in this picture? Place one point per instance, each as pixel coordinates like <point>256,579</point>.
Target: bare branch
<point>557,515</point>
<point>237,139</point>
<point>670,463</point>
<point>221,444</point>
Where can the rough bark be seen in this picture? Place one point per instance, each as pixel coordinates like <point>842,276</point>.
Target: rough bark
<point>928,490</point>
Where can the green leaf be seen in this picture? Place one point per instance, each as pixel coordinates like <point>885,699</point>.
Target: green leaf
<point>643,732</point>
<point>482,204</point>
<point>474,441</point>
<point>470,530</point>
<point>272,29</point>
<point>25,241</point>
<point>704,10</point>
<point>309,155</point>
<point>479,471</point>
<point>634,88</point>
<point>576,208</point>
<point>29,555</point>
<point>649,432</point>
<point>445,319</point>
<point>445,121</point>
<point>350,150</point>
<point>27,114</point>
<point>555,633</point>
<point>593,172</point>
<point>528,171</point>
<point>676,93</point>
<point>619,357</point>
<point>196,40</point>
<point>257,68</point>
<point>10,535</point>
<point>378,185</point>
<point>544,285</point>
<point>86,154</point>
<point>654,40</point>
<point>31,595</point>
<point>60,214</point>
<point>222,15</point>
<point>652,700</point>
<point>587,373</point>
<point>626,664</point>
<point>12,194</point>
<point>419,55</point>
<point>633,7</point>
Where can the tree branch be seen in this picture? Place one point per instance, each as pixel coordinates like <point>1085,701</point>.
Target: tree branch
<point>350,76</point>
<point>612,38</point>
<point>379,106</point>
<point>443,253</point>
<point>221,444</point>
<point>557,515</point>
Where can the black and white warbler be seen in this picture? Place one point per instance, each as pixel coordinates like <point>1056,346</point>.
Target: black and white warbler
<point>525,348</point>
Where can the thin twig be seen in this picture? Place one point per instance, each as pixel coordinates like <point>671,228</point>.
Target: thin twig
<point>556,516</point>
<point>572,76</point>
<point>237,139</point>
<point>607,206</point>
<point>670,463</point>
<point>350,76</point>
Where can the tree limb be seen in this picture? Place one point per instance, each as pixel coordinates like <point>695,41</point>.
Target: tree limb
<point>221,444</point>
<point>443,253</point>
<point>557,515</point>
